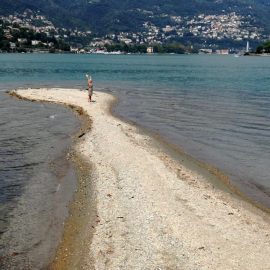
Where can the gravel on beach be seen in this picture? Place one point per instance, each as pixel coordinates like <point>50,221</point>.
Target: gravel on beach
<point>153,212</point>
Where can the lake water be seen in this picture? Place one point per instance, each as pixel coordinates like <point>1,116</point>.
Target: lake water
<point>216,108</point>
<point>36,180</point>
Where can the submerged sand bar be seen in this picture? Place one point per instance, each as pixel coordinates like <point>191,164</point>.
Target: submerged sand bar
<point>152,212</point>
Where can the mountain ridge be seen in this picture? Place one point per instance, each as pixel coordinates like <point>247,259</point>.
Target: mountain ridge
<point>109,16</point>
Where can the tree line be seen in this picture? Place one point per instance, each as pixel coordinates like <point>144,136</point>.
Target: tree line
<point>263,48</point>
<point>142,48</point>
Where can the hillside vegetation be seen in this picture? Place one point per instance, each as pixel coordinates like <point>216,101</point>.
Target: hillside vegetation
<point>107,16</point>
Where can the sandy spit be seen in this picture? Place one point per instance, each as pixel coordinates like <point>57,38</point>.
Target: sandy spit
<point>152,212</point>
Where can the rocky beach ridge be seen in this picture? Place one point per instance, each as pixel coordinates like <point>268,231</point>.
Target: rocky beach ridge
<point>150,211</point>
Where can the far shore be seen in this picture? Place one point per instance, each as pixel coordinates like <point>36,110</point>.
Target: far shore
<point>138,208</point>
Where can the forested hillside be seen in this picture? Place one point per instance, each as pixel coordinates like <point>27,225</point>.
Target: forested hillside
<point>106,16</point>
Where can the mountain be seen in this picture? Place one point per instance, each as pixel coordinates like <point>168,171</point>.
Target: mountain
<point>60,12</point>
<point>104,15</point>
<point>108,16</point>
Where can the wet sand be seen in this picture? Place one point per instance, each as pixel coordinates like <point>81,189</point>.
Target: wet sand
<point>142,209</point>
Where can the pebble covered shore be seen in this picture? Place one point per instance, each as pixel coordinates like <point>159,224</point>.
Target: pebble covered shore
<point>151,211</point>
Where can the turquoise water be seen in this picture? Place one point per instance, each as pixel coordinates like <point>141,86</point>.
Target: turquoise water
<point>216,108</point>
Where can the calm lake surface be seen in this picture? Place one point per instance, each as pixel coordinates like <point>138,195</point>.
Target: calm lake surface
<point>216,108</point>
<point>36,180</point>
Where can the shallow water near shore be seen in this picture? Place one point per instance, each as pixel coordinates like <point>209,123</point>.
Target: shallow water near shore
<point>215,108</point>
<point>36,180</point>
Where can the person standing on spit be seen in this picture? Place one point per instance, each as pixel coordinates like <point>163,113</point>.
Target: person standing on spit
<point>90,87</point>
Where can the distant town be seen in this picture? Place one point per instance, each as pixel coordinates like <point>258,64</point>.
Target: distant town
<point>231,26</point>
<point>33,32</point>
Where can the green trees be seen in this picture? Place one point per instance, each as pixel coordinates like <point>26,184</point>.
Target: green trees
<point>142,48</point>
<point>264,48</point>
<point>61,45</point>
<point>4,45</point>
<point>122,47</point>
<point>170,48</point>
<point>1,33</point>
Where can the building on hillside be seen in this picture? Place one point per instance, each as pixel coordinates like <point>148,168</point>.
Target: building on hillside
<point>223,51</point>
<point>22,40</point>
<point>12,45</point>
<point>126,40</point>
<point>150,49</point>
<point>205,51</point>
<point>35,42</point>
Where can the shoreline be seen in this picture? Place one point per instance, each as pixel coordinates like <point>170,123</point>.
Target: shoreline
<point>214,175</point>
<point>191,182</point>
<point>69,254</point>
